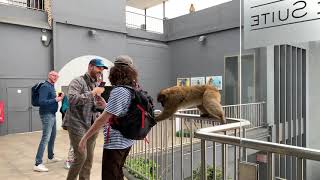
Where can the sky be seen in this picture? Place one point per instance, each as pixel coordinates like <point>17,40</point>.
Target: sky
<point>175,8</point>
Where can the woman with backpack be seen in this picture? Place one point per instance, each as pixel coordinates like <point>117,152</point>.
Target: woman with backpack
<point>116,147</point>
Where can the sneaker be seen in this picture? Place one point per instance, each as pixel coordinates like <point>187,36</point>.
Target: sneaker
<point>40,168</point>
<point>53,160</point>
<point>67,164</point>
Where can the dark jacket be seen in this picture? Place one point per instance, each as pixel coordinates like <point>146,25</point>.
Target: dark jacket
<point>47,99</point>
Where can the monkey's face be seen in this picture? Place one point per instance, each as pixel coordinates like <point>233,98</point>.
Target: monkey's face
<point>161,99</point>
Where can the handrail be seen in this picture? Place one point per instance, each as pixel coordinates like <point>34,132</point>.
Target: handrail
<point>211,134</point>
<point>144,15</point>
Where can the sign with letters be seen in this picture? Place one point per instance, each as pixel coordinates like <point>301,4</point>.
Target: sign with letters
<point>1,112</point>
<point>273,22</point>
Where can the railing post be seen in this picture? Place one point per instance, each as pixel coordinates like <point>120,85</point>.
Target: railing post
<point>270,166</point>
<point>203,160</point>
<point>235,159</point>
<point>244,150</point>
<point>299,169</point>
<point>224,152</point>
<point>214,159</point>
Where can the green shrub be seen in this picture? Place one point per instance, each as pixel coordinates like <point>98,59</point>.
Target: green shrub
<point>139,165</point>
<point>197,175</point>
<point>186,133</point>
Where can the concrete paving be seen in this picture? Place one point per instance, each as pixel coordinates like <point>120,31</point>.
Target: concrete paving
<point>17,154</point>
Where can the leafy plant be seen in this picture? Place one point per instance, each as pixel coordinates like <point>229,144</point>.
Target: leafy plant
<point>145,167</point>
<point>186,133</point>
<point>197,173</point>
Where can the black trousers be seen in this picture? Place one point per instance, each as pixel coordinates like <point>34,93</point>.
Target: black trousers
<point>112,163</point>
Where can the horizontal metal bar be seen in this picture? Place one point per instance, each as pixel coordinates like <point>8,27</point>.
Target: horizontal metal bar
<point>305,153</point>
<point>130,12</point>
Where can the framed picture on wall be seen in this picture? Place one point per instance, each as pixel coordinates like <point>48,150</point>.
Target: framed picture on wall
<point>198,81</point>
<point>214,81</point>
<point>183,81</point>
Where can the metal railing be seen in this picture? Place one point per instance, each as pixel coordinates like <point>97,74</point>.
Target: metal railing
<point>253,112</point>
<point>159,156</point>
<point>31,4</point>
<point>143,22</point>
<point>213,134</point>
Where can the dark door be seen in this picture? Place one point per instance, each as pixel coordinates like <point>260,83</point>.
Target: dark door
<point>18,109</point>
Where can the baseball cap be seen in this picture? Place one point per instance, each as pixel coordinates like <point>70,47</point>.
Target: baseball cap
<point>98,62</point>
<point>124,60</point>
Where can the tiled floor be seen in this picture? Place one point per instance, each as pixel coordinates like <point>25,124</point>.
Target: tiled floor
<point>17,154</point>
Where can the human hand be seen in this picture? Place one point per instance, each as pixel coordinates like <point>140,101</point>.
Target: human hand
<point>98,91</point>
<point>82,145</point>
<point>100,102</point>
<point>59,98</point>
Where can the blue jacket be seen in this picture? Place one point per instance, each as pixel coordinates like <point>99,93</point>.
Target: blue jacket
<point>47,101</point>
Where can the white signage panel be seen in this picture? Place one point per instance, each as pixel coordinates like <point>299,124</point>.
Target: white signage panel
<point>273,22</point>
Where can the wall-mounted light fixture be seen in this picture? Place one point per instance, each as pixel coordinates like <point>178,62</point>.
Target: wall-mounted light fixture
<point>202,39</point>
<point>92,32</point>
<point>44,38</point>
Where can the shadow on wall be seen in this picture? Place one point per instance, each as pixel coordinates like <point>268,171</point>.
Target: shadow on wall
<point>74,68</point>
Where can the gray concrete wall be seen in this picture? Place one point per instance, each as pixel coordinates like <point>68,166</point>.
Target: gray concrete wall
<point>313,124</point>
<point>191,58</point>
<point>23,16</point>
<point>74,41</point>
<point>217,18</point>
<point>25,55</point>
<point>24,60</point>
<point>100,14</point>
<point>153,63</point>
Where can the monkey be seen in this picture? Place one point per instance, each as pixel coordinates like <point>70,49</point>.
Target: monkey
<point>205,97</point>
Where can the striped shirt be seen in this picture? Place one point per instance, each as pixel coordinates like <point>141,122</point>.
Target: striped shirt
<point>118,105</point>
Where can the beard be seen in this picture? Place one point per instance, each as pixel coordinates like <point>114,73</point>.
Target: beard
<point>95,75</point>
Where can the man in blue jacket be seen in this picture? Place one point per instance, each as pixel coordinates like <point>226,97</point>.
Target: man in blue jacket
<point>48,102</point>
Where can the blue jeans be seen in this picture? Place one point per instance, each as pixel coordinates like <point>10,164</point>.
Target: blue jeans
<point>48,136</point>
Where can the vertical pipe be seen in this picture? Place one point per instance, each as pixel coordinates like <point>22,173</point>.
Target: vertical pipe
<point>203,160</point>
<point>145,158</point>
<point>244,150</point>
<point>161,149</point>
<point>181,148</point>
<point>270,166</point>
<point>191,147</point>
<point>157,154</point>
<point>224,148</point>
<point>152,146</point>
<point>166,150</point>
<point>172,145</point>
<point>299,169</point>
<point>145,19</point>
<point>214,159</point>
<point>235,155</point>
<point>164,9</point>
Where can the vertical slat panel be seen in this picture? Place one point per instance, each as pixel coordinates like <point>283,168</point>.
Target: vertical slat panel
<point>283,106</point>
<point>289,106</point>
<point>294,108</point>
<point>304,117</point>
<point>299,94</point>
<point>277,103</point>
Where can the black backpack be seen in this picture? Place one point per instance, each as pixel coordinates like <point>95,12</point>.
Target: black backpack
<point>139,119</point>
<point>35,94</point>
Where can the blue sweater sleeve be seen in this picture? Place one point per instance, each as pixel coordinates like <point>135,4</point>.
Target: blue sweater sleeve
<point>43,96</point>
